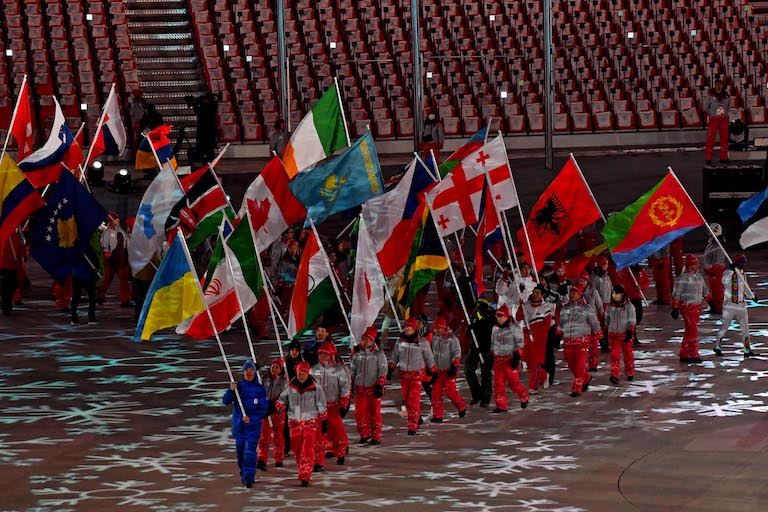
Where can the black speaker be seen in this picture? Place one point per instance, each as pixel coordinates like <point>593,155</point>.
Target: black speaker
<point>726,186</point>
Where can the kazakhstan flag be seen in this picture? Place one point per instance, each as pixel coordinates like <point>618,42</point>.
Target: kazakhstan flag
<point>341,184</point>
<point>173,296</point>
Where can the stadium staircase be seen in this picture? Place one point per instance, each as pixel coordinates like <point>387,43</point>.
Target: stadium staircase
<point>167,59</point>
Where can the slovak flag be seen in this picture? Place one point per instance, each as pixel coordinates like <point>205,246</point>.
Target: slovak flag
<point>110,138</point>
<point>21,127</point>
<point>44,165</point>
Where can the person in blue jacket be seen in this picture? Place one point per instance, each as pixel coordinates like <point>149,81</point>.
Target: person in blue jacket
<point>247,429</point>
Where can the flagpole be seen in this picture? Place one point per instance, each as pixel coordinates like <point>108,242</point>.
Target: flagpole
<point>333,282</point>
<point>267,283</point>
<point>191,264</point>
<point>272,307</point>
<point>341,107</point>
<point>456,284</point>
<point>520,211</point>
<point>101,123</point>
<point>346,228</point>
<point>237,294</point>
<point>578,168</point>
<point>738,271</point>
<point>631,273</point>
<point>13,116</point>
<point>77,135</point>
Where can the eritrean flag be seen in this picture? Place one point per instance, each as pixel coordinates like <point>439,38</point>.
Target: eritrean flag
<point>658,217</point>
<point>474,143</point>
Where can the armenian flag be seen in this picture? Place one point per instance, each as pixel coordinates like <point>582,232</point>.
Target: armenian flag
<point>658,217</point>
<point>18,198</point>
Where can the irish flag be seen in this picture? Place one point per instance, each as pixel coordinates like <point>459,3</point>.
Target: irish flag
<point>319,135</point>
<point>239,252</point>
<point>658,217</point>
<point>313,292</point>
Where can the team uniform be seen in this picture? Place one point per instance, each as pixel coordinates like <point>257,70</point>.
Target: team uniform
<point>334,382</point>
<point>540,317</point>
<point>690,290</point>
<point>272,428</point>
<point>413,357</point>
<point>577,323</point>
<point>447,353</point>
<point>507,348</point>
<point>620,319</point>
<point>368,375</point>
<point>715,264</point>
<point>735,307</point>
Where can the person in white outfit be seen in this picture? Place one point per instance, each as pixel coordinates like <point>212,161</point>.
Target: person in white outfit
<point>734,305</point>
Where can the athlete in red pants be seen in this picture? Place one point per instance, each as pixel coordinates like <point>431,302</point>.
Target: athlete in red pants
<point>538,316</point>
<point>660,263</point>
<point>272,427</point>
<point>620,319</point>
<point>715,264</point>
<point>368,372</point>
<point>577,323</point>
<point>717,106</point>
<point>413,356</point>
<point>332,378</point>
<point>306,409</point>
<point>447,351</point>
<point>507,350</point>
<point>690,289</point>
<point>592,297</point>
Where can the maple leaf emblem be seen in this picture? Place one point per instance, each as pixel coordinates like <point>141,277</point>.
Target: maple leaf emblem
<point>259,212</point>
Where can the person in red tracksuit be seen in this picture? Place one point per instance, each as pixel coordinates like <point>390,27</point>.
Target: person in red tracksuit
<point>717,107</point>
<point>447,351</point>
<point>306,409</point>
<point>633,292</point>
<point>272,427</point>
<point>333,379</point>
<point>577,322</point>
<point>539,316</point>
<point>413,357</point>
<point>620,320</point>
<point>114,244</point>
<point>507,351</point>
<point>715,265</point>
<point>676,256</point>
<point>600,280</point>
<point>660,263</point>
<point>368,375</point>
<point>690,290</point>
<point>593,298</point>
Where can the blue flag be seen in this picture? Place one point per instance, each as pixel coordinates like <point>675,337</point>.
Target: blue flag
<point>748,208</point>
<point>62,243</point>
<point>343,183</point>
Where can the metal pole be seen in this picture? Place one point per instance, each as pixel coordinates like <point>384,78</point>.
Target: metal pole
<point>418,100</point>
<point>549,92</point>
<point>282,62</point>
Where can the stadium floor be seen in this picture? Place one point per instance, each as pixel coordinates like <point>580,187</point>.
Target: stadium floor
<point>92,421</point>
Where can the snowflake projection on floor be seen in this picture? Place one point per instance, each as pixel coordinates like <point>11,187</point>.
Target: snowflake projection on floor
<point>123,379</point>
<point>126,493</point>
<point>639,388</point>
<point>190,386</point>
<point>165,463</point>
<point>340,501</point>
<point>125,447</point>
<point>623,419</point>
<point>519,506</point>
<point>11,451</point>
<point>68,478</point>
<point>97,414</point>
<point>97,430</point>
<point>504,464</point>
<point>734,407</point>
<point>32,390</point>
<point>552,442</point>
<point>495,489</point>
<point>165,360</point>
<point>200,434</point>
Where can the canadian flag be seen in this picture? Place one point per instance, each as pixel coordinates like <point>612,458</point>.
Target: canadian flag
<point>21,126</point>
<point>455,202</point>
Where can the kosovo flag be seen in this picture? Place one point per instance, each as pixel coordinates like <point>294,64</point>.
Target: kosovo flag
<point>65,225</point>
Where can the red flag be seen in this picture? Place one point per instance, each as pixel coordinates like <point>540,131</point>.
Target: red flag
<point>74,158</point>
<point>565,207</point>
<point>488,232</point>
<point>21,129</point>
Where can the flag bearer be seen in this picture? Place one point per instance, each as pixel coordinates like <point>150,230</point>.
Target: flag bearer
<point>734,306</point>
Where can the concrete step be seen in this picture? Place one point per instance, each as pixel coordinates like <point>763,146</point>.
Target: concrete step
<point>152,27</point>
<point>137,15</point>
<point>185,86</point>
<point>166,63</point>
<point>164,75</point>
<point>138,39</point>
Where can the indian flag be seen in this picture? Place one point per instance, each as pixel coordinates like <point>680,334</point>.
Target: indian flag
<point>313,292</point>
<point>239,252</point>
<point>319,135</point>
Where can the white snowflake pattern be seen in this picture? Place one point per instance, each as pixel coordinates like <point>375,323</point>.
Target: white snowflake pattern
<point>494,489</point>
<point>32,390</point>
<point>112,413</point>
<point>125,493</point>
<point>508,464</point>
<point>165,463</point>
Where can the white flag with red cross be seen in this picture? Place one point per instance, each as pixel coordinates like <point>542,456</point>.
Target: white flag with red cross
<point>455,202</point>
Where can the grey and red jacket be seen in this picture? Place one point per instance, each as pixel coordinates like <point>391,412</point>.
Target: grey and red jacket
<point>368,366</point>
<point>274,385</point>
<point>305,402</point>
<point>714,256</point>
<point>717,105</point>
<point>620,317</point>
<point>602,285</point>
<point>447,350</point>
<point>593,298</point>
<point>506,339</point>
<point>577,320</point>
<point>334,381</point>
<point>412,354</point>
<point>690,288</point>
<point>534,313</point>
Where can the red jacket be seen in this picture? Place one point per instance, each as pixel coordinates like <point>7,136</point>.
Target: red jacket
<point>630,289</point>
<point>13,253</point>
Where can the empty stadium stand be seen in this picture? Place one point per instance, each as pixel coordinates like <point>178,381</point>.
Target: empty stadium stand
<point>620,65</point>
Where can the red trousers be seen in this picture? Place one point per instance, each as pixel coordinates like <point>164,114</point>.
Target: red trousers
<point>418,307</point>
<point>676,255</point>
<point>691,314</point>
<point>717,124</point>
<point>661,276</point>
<point>335,440</point>
<point>449,385</point>
<point>504,375</point>
<point>123,273</point>
<point>303,445</point>
<point>63,293</point>
<point>593,352</point>
<point>535,355</point>
<point>258,316</point>
<point>268,433</point>
<point>575,353</point>
<point>619,347</point>
<point>368,413</point>
<point>410,386</point>
<point>715,278</point>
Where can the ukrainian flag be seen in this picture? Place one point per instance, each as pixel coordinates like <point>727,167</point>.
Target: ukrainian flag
<point>158,137</point>
<point>173,296</point>
<point>18,198</point>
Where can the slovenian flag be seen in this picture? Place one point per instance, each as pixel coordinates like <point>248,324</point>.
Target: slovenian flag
<point>110,138</point>
<point>43,167</point>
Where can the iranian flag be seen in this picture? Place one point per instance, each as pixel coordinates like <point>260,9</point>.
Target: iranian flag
<point>238,250</point>
<point>313,292</point>
<point>319,135</point>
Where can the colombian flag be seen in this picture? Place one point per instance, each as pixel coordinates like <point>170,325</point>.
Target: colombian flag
<point>159,139</point>
<point>658,217</point>
<point>18,198</point>
<point>173,296</point>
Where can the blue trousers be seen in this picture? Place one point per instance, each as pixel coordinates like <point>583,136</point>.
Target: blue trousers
<point>246,457</point>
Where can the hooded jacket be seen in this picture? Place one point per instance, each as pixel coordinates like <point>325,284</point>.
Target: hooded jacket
<point>412,354</point>
<point>578,319</point>
<point>255,403</point>
<point>274,385</point>
<point>447,350</point>
<point>690,288</point>
<point>506,339</point>
<point>334,381</point>
<point>620,317</point>
<point>304,401</point>
<point>368,367</point>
